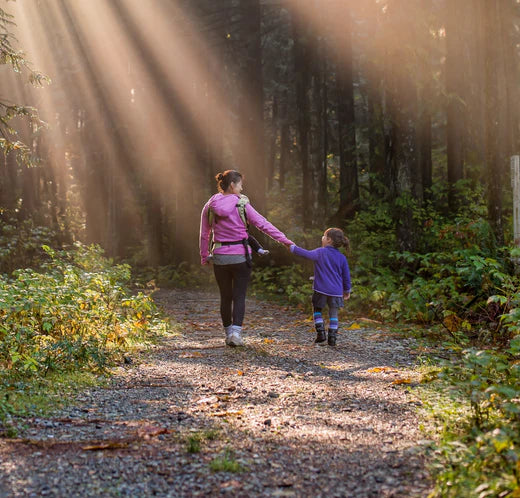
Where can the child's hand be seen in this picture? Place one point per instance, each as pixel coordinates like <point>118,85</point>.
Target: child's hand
<point>346,296</point>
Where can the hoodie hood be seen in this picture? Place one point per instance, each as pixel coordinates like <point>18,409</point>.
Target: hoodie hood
<point>223,205</point>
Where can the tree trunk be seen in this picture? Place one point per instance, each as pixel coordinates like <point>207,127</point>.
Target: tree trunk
<point>455,90</point>
<point>316,130</point>
<point>323,196</point>
<point>251,109</point>
<point>376,139</point>
<point>272,144</point>
<point>301,68</point>
<point>494,161</point>
<point>284,140</point>
<point>402,110</point>
<point>348,174</point>
<point>424,146</point>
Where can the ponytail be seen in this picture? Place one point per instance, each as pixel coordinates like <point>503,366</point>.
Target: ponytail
<point>338,238</point>
<point>225,179</point>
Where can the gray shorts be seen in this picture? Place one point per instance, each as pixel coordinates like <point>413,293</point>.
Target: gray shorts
<point>320,300</point>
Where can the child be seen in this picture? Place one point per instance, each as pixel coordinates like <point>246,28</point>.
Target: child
<point>331,281</point>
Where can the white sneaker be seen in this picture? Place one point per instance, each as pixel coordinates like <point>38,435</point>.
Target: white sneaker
<point>234,339</point>
<point>229,331</point>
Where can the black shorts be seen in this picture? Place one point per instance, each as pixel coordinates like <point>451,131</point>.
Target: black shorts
<point>319,300</point>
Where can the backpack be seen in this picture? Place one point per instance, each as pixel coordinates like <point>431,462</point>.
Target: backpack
<point>241,206</point>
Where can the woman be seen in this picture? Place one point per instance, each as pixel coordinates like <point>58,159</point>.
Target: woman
<point>231,254</point>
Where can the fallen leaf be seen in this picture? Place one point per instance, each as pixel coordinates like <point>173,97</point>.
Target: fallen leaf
<point>354,326</point>
<point>110,445</point>
<point>151,431</point>
<point>268,341</point>
<point>227,413</point>
<point>402,381</point>
<point>369,320</point>
<point>332,367</point>
<point>382,369</point>
<point>239,372</point>
<point>209,399</point>
<point>195,354</point>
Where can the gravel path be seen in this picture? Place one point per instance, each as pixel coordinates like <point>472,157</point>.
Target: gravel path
<point>279,417</point>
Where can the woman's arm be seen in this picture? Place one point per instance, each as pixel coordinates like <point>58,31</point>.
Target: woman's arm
<point>205,230</point>
<point>256,219</point>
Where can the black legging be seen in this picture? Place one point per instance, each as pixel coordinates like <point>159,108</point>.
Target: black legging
<point>232,281</point>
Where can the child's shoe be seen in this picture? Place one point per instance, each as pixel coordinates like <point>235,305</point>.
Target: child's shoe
<point>331,340</point>
<point>321,337</point>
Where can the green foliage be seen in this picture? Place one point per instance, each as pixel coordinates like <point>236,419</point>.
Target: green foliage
<point>184,275</point>
<point>479,450</point>
<point>193,443</point>
<point>290,282</point>
<point>21,245</point>
<point>226,463</point>
<point>457,277</point>
<point>194,440</point>
<point>77,314</point>
<point>9,55</point>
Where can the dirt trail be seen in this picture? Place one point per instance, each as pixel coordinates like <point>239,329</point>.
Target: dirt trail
<point>281,416</point>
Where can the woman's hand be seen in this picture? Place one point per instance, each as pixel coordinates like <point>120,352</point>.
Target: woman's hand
<point>288,245</point>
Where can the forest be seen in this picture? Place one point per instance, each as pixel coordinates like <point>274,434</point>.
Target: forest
<point>396,120</point>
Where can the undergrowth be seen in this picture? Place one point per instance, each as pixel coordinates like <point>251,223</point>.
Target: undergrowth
<point>475,408</point>
<point>75,314</point>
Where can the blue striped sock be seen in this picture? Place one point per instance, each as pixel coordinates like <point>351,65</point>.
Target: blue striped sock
<point>333,324</point>
<point>318,318</point>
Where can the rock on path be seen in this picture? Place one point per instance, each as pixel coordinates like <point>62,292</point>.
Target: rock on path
<point>279,417</point>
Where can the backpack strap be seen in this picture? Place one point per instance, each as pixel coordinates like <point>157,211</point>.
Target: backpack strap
<point>241,206</point>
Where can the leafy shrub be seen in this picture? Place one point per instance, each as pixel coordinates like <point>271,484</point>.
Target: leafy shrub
<point>481,456</point>
<point>291,282</point>
<point>21,245</point>
<point>78,313</point>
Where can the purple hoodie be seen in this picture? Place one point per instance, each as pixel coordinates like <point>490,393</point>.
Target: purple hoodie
<point>229,227</point>
<point>331,271</point>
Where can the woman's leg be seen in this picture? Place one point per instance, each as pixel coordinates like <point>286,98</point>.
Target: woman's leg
<point>224,278</point>
<point>241,276</point>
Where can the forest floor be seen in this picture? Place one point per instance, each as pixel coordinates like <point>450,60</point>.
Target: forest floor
<point>278,417</point>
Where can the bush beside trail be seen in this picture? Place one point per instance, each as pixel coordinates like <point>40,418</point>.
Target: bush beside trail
<point>76,313</point>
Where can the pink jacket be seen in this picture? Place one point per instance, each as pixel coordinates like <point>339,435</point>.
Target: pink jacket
<point>229,227</point>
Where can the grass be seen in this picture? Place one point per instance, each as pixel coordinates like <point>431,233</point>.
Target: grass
<point>194,440</point>
<point>42,396</point>
<point>226,463</point>
<point>193,443</point>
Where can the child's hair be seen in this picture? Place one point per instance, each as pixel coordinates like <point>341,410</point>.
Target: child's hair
<point>224,180</point>
<point>338,238</point>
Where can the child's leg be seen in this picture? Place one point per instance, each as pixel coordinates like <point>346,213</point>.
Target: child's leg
<point>333,325</point>
<point>256,246</point>
<point>319,326</point>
